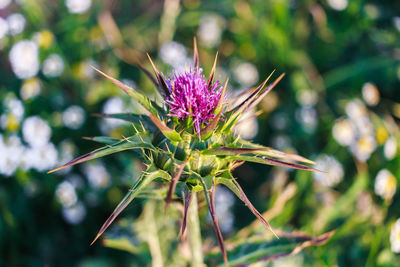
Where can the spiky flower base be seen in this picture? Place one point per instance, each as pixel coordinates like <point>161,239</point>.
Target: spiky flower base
<point>188,144</point>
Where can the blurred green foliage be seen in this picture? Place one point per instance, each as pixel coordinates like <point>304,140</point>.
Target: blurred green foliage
<point>332,56</point>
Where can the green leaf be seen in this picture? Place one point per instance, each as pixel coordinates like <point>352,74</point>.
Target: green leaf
<point>228,182</point>
<point>260,248</point>
<point>134,142</point>
<point>167,132</point>
<point>144,181</point>
<point>102,139</point>
<point>229,151</point>
<point>272,161</point>
<point>270,152</point>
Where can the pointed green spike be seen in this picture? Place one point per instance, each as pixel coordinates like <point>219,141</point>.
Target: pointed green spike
<point>217,229</point>
<point>264,93</point>
<point>251,97</point>
<point>174,181</point>
<point>160,78</point>
<point>212,73</point>
<point>228,151</point>
<point>102,139</point>
<point>144,181</point>
<point>133,142</point>
<point>142,99</point>
<point>196,59</point>
<point>272,161</point>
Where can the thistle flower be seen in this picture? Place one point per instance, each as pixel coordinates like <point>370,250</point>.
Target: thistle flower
<point>188,141</point>
<point>191,96</point>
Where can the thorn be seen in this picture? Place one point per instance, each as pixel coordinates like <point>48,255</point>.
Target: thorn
<point>166,144</point>
<point>195,53</point>
<point>126,139</point>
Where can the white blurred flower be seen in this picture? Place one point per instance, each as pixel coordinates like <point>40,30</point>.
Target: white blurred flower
<point>67,150</point>
<point>364,126</point>
<point>53,66</point>
<point>210,29</point>
<point>84,68</point>
<point>30,88</point>
<point>385,184</point>
<point>396,22</point>
<point>74,214</point>
<point>15,107</point>
<point>308,117</point>
<point>334,171</point>
<point>4,3</point>
<point>24,59</point>
<point>343,131</point>
<point>355,109</point>
<point>113,105</point>
<point>36,131</point>
<point>338,4</point>
<point>42,158</point>
<point>3,27</point>
<point>279,121</point>
<point>224,200</point>
<point>97,174</point>
<point>281,142</point>
<point>246,74</point>
<point>73,117</point>
<point>247,128</point>
<point>78,6</point>
<point>395,237</point>
<point>363,147</point>
<point>16,23</point>
<point>10,155</point>
<point>173,53</point>
<point>76,180</point>
<point>370,94</point>
<point>390,148</point>
<point>307,97</point>
<point>66,153</point>
<point>66,194</point>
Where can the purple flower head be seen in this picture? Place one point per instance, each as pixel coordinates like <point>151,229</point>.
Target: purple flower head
<point>190,96</point>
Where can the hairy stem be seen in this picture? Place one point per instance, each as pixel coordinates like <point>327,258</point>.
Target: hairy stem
<point>195,234</point>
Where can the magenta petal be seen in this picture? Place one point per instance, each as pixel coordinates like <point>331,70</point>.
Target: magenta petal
<point>189,95</point>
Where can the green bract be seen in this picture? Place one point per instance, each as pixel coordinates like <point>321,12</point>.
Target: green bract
<point>199,161</point>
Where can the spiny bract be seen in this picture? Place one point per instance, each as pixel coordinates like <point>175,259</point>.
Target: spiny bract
<point>190,141</point>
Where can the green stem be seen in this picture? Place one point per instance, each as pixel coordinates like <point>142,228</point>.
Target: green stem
<point>376,241</point>
<point>152,235</point>
<point>195,234</point>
